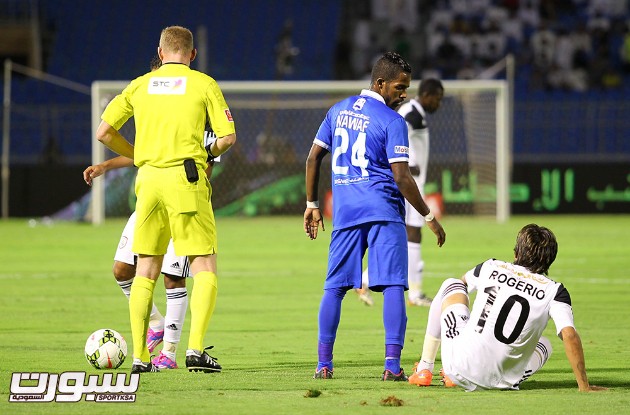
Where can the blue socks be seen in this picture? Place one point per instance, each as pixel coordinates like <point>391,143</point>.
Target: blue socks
<point>329,316</point>
<point>395,322</point>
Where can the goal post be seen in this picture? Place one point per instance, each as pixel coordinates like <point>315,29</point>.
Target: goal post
<point>470,153</point>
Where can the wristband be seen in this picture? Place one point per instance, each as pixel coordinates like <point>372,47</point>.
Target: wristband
<point>429,217</point>
<point>312,205</point>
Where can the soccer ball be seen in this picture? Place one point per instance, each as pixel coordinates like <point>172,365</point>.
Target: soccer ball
<point>106,349</point>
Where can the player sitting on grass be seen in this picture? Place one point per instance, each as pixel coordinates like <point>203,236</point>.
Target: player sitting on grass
<point>499,344</point>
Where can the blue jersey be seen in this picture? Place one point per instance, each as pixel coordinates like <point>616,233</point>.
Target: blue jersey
<point>364,137</point>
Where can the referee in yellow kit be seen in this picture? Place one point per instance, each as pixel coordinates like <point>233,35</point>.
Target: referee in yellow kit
<point>170,107</point>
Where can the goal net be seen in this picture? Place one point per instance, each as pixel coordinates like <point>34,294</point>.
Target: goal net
<point>469,167</point>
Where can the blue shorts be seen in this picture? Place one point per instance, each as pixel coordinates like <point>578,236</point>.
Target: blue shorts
<point>386,243</point>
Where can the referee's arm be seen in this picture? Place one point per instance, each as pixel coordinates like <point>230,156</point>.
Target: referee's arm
<point>113,140</point>
<point>221,144</point>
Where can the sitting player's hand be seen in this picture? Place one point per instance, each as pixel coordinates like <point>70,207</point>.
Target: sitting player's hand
<point>594,388</point>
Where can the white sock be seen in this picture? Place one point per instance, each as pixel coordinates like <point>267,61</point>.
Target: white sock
<point>156,320</point>
<point>429,352</point>
<point>125,286</point>
<point>415,267</point>
<point>365,279</point>
<point>176,306</point>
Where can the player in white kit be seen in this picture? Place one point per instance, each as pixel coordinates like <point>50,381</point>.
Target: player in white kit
<point>499,343</point>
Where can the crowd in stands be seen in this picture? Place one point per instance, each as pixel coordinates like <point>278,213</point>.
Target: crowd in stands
<point>557,44</point>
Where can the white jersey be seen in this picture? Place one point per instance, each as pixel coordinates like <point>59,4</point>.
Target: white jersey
<point>418,133</point>
<point>508,317</point>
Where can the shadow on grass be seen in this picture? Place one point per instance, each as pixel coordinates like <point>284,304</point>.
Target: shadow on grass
<point>569,384</point>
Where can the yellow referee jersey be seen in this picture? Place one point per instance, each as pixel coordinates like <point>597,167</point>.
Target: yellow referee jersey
<point>170,107</point>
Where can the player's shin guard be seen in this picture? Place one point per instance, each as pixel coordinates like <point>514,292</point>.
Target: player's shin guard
<point>202,303</point>
<point>176,305</point>
<point>329,316</point>
<point>140,301</point>
<point>394,315</point>
<point>395,322</point>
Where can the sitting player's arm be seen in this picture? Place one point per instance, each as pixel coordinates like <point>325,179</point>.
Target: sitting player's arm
<point>99,169</point>
<point>113,140</point>
<point>561,312</point>
<point>409,189</point>
<point>575,354</point>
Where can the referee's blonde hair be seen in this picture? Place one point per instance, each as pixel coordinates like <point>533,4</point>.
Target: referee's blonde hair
<point>176,39</point>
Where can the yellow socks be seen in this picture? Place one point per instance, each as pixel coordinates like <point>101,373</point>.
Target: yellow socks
<point>202,302</point>
<point>140,303</point>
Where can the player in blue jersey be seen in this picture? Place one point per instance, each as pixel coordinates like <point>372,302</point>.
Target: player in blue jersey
<point>428,100</point>
<point>370,182</point>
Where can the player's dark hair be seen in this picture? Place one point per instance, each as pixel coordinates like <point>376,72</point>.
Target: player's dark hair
<point>536,248</point>
<point>389,66</point>
<point>430,86</point>
<point>156,62</point>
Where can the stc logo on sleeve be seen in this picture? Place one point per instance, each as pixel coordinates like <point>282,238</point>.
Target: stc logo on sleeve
<point>167,85</point>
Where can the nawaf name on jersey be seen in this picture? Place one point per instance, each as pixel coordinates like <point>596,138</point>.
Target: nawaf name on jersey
<point>364,136</point>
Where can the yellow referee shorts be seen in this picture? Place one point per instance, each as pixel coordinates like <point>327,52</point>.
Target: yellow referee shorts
<point>169,206</point>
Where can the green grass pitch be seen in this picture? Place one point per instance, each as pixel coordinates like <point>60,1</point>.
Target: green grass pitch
<point>57,288</point>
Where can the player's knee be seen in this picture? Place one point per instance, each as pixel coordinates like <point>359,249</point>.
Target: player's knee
<point>123,271</point>
<point>453,291</point>
<point>452,286</point>
<point>172,281</point>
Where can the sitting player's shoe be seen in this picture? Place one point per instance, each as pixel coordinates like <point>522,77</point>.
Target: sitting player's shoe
<point>154,338</point>
<point>446,381</point>
<point>388,375</point>
<point>164,362</point>
<point>419,301</point>
<point>421,378</point>
<point>139,366</point>
<point>198,361</point>
<point>364,296</point>
<point>323,373</point>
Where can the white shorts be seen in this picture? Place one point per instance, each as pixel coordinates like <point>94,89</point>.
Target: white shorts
<point>172,264</point>
<point>412,216</point>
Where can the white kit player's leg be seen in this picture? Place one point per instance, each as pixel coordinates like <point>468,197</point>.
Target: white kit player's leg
<point>364,291</point>
<point>538,359</point>
<point>176,306</point>
<point>415,265</point>
<point>437,320</point>
<point>125,269</point>
<point>415,268</point>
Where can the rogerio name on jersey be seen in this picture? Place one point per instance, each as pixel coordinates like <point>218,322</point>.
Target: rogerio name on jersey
<point>352,120</point>
<point>518,284</point>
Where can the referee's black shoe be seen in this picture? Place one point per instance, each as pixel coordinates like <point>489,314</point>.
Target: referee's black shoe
<point>140,367</point>
<point>198,361</point>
